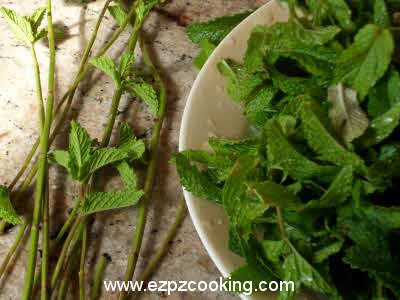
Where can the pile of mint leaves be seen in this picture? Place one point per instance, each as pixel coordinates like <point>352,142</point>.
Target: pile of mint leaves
<point>312,193</point>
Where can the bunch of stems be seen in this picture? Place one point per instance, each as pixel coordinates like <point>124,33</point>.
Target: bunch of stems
<point>76,226</point>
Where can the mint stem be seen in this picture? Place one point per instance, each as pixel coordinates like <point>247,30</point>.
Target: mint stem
<point>14,246</point>
<point>151,171</point>
<point>155,260</point>
<point>42,170</point>
<point>64,284</point>
<point>45,242</point>
<point>82,262</point>
<point>98,276</point>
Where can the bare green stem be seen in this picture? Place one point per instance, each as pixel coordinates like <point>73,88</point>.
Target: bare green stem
<point>42,170</point>
<point>82,262</point>
<point>45,242</point>
<point>14,247</point>
<point>98,276</point>
<point>151,171</point>
<point>64,284</point>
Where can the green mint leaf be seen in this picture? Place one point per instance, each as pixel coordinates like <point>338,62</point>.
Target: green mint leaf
<point>323,254</point>
<point>338,9</point>
<point>80,145</point>
<point>256,50</point>
<point>282,155</point>
<point>249,273</point>
<point>346,114</point>
<point>214,30</point>
<point>133,148</point>
<point>387,218</point>
<point>128,176</point>
<point>259,108</point>
<point>21,26</point>
<point>275,250</point>
<point>103,157</point>
<point>366,60</point>
<point>338,192</point>
<point>195,181</point>
<point>385,94</point>
<point>382,127</point>
<point>241,83</point>
<point>125,134</point>
<point>207,48</point>
<point>381,14</point>
<point>103,201</point>
<point>246,147</point>
<point>275,195</point>
<point>36,20</point>
<point>146,92</point>
<point>7,212</point>
<point>125,64</point>
<point>60,157</point>
<point>107,65</point>
<point>296,267</point>
<point>118,13</point>
<point>323,143</point>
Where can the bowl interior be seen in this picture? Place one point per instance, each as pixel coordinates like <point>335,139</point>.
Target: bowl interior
<point>210,112</point>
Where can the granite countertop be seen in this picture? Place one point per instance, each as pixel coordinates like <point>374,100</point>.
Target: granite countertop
<point>111,233</point>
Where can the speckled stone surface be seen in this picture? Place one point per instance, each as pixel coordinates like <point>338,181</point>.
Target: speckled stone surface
<point>112,232</point>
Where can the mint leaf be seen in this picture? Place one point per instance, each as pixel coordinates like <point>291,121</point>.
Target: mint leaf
<point>103,201</point>
<point>256,50</point>
<point>338,9</point>
<point>338,192</point>
<point>195,181</point>
<point>125,64</point>
<point>387,218</point>
<point>324,144</point>
<point>296,268</point>
<point>36,20</point>
<point>382,127</point>
<point>60,157</point>
<point>346,114</point>
<point>323,254</point>
<point>214,30</point>
<point>259,108</point>
<point>7,212</point>
<point>80,145</point>
<point>107,65</point>
<point>207,48</point>
<point>133,148</point>
<point>246,147</point>
<point>282,155</point>
<point>275,195</point>
<point>128,176</point>
<point>118,13</point>
<point>21,26</point>
<point>146,92</point>
<point>366,60</point>
<point>381,14</point>
<point>103,157</point>
<point>241,82</point>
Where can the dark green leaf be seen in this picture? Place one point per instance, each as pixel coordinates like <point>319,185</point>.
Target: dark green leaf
<point>381,14</point>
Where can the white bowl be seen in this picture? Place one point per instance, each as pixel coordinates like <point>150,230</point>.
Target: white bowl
<point>210,112</point>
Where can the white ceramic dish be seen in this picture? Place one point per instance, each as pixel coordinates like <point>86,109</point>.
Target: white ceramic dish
<point>210,112</point>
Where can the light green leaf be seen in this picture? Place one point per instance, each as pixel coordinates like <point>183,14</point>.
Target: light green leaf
<point>21,26</point>
<point>338,192</point>
<point>118,13</point>
<point>103,157</point>
<point>107,65</point>
<point>323,254</point>
<point>146,92</point>
<point>323,143</point>
<point>256,50</point>
<point>207,48</point>
<point>196,182</point>
<point>382,127</point>
<point>133,148</point>
<point>60,157</point>
<point>381,14</point>
<point>366,60</point>
<point>125,64</point>
<point>282,155</point>
<point>7,212</point>
<point>246,147</point>
<point>80,145</point>
<point>128,176</point>
<point>276,195</point>
<point>297,268</point>
<point>275,250</point>
<point>345,112</point>
<point>103,201</point>
<point>125,134</point>
<point>214,30</point>
<point>36,19</point>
